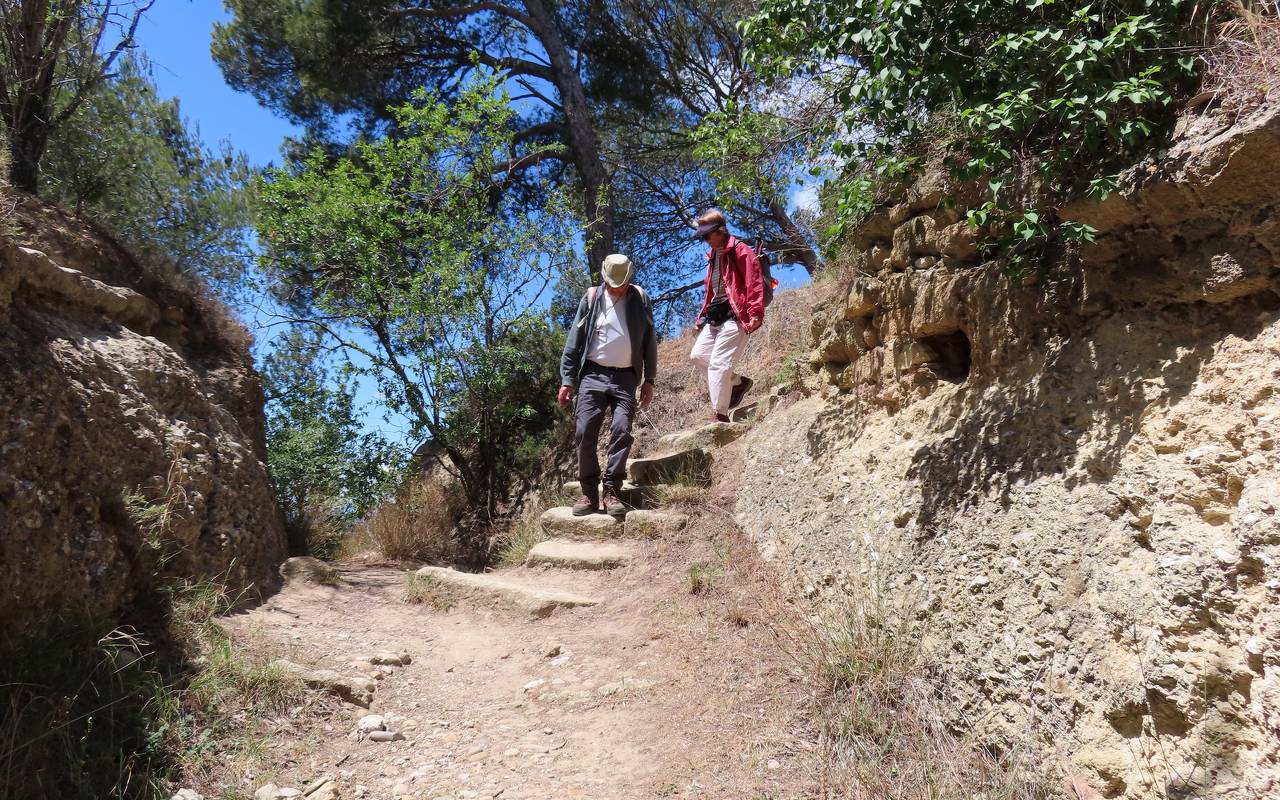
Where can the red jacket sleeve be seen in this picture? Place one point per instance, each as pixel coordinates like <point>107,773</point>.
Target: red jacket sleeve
<point>751,281</point>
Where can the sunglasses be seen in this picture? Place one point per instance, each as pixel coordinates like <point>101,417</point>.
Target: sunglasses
<point>702,235</point>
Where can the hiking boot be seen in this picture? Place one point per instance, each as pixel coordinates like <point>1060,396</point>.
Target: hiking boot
<point>612,505</point>
<point>585,505</point>
<point>714,418</point>
<point>739,391</point>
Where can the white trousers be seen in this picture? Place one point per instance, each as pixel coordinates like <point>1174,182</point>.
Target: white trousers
<point>716,353</point>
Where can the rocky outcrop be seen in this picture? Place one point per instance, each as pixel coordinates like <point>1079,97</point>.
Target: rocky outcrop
<point>131,431</point>
<point>1070,484</point>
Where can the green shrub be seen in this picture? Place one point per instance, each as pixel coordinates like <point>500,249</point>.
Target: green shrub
<point>1042,100</point>
<point>788,374</point>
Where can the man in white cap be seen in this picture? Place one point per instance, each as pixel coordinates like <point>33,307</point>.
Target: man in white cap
<point>610,354</point>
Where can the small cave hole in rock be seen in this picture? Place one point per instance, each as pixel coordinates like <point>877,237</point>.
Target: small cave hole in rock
<point>955,356</point>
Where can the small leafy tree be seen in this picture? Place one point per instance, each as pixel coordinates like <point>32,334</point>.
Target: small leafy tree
<point>132,163</point>
<point>53,54</point>
<point>566,61</point>
<point>1044,100</point>
<point>327,471</point>
<point>404,254</point>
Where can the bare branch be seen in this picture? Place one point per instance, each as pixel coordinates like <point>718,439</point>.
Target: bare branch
<point>466,11</point>
<point>678,292</point>
<point>521,163</point>
<point>539,130</point>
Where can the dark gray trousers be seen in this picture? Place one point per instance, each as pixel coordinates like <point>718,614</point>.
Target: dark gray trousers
<point>602,388</point>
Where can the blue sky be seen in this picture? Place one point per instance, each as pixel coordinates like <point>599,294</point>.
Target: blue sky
<point>175,35</point>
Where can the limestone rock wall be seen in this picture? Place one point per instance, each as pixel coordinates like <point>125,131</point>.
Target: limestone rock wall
<point>131,432</point>
<point>1072,484</point>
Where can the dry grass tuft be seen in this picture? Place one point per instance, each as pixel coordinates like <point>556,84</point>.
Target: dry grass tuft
<point>881,718</point>
<point>525,531</point>
<point>1243,65</point>
<point>418,525</point>
<point>426,590</point>
<point>702,578</point>
<point>681,496</point>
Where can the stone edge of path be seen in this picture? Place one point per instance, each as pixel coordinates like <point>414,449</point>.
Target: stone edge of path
<point>571,554</point>
<point>538,603</point>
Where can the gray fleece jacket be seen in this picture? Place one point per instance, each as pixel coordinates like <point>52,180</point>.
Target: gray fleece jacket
<point>644,340</point>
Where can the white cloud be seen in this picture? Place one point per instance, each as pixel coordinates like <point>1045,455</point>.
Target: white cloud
<point>806,197</point>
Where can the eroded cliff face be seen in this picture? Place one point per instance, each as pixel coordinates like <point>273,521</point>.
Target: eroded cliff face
<point>131,432</point>
<point>1072,485</point>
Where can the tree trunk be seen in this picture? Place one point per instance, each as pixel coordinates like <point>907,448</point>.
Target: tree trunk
<point>584,145</point>
<point>26,149</point>
<point>798,249</point>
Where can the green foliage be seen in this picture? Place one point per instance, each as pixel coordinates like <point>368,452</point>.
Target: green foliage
<point>788,374</point>
<point>132,163</point>
<point>53,54</point>
<point>752,151</point>
<point>404,254</point>
<point>328,473</point>
<point>1050,98</point>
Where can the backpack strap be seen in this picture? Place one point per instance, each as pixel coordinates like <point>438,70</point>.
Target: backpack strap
<point>591,294</point>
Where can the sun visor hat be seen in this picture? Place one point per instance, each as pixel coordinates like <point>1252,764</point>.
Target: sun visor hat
<point>706,229</point>
<point>616,270</point>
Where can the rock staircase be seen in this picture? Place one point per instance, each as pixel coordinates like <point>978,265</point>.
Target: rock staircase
<point>596,542</point>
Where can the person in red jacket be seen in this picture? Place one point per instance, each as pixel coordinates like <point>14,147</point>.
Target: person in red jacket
<point>732,309</point>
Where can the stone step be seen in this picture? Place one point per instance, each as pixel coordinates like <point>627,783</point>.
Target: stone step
<point>634,496</point>
<point>706,437</point>
<point>451,585</point>
<point>560,523</point>
<point>683,466</point>
<point>568,554</point>
<point>754,412</point>
<point>743,414</point>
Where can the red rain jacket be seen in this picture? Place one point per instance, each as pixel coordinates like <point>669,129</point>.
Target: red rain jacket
<point>742,283</point>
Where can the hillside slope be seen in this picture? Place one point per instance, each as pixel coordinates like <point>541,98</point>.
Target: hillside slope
<point>131,430</point>
<point>1071,485</point>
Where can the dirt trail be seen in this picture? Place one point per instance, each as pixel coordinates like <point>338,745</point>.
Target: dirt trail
<point>654,692</point>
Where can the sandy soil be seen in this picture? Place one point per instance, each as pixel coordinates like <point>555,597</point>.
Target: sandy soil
<point>655,692</point>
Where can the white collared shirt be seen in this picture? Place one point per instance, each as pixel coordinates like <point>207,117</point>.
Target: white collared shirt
<point>611,344</point>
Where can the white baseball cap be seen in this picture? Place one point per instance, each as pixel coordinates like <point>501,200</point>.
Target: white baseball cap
<point>616,270</point>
